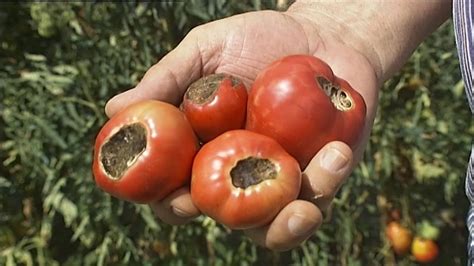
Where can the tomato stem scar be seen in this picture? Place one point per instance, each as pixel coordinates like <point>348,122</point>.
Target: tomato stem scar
<point>341,100</point>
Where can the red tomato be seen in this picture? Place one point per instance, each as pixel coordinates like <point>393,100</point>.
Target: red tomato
<point>299,102</point>
<point>215,104</point>
<point>243,179</point>
<point>144,152</point>
<point>399,237</point>
<point>424,250</point>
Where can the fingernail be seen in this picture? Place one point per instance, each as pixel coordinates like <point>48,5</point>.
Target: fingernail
<point>333,160</point>
<point>180,212</point>
<point>300,225</point>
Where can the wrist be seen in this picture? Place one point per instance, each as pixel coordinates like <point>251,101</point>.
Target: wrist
<point>385,32</point>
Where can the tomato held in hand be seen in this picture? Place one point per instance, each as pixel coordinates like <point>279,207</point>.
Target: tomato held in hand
<point>144,152</point>
<point>243,179</point>
<point>299,102</point>
<point>399,237</point>
<point>424,250</point>
<point>215,104</point>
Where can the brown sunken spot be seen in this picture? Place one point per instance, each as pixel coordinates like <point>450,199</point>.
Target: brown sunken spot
<point>122,149</point>
<point>252,171</point>
<point>201,90</point>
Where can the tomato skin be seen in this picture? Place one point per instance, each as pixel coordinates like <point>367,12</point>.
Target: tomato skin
<point>225,110</point>
<point>424,250</point>
<point>212,189</point>
<point>166,162</point>
<point>287,103</point>
<point>399,237</point>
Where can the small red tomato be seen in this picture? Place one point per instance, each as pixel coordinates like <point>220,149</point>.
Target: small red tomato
<point>299,102</point>
<point>399,237</point>
<point>395,215</point>
<point>243,179</point>
<point>215,104</point>
<point>144,152</point>
<point>424,250</point>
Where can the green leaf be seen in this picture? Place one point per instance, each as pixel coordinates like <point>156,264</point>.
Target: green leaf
<point>31,76</point>
<point>148,217</point>
<point>5,183</point>
<point>426,170</point>
<point>68,210</point>
<point>48,130</point>
<point>35,57</point>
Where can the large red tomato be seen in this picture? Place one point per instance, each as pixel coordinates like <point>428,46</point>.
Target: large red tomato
<point>144,152</point>
<point>215,104</point>
<point>298,101</point>
<point>243,179</point>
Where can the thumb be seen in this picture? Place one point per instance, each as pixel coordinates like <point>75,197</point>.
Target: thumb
<point>168,79</point>
<point>325,174</point>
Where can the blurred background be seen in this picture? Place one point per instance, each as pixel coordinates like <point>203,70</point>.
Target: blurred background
<point>60,62</point>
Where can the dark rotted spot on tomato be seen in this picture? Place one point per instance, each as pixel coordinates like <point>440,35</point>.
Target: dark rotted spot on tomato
<point>202,90</point>
<point>341,99</point>
<point>251,171</point>
<point>122,149</point>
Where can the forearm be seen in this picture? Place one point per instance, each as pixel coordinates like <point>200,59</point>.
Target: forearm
<point>386,32</point>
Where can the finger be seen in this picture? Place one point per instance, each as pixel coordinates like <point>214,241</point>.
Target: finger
<point>325,174</point>
<point>294,224</point>
<point>168,79</point>
<point>177,208</point>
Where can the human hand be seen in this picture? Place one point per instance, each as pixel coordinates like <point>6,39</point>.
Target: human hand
<point>242,45</point>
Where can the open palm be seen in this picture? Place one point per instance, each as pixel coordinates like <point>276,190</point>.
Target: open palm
<point>242,46</point>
